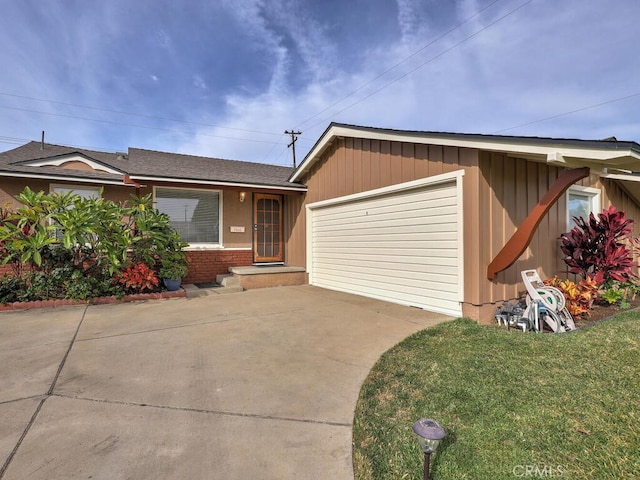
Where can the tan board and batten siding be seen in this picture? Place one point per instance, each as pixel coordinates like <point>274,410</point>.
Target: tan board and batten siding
<point>498,192</point>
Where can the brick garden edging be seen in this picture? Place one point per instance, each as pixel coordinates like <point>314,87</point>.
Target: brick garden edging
<point>94,301</point>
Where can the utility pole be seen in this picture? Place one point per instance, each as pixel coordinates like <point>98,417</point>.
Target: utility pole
<point>293,134</point>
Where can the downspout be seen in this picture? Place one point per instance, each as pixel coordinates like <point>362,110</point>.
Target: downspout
<point>521,239</point>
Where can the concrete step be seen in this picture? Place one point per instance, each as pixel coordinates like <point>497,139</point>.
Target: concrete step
<point>223,290</point>
<point>195,292</point>
<point>228,280</point>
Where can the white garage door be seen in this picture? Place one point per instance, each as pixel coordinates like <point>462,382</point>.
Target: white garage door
<point>402,244</point>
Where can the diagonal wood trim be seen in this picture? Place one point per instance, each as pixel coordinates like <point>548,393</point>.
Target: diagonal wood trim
<point>521,239</point>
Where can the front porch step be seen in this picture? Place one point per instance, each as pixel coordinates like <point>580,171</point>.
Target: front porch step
<point>228,280</point>
<point>262,276</point>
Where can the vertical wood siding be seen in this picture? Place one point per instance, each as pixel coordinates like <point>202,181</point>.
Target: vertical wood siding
<point>352,165</point>
<point>499,191</point>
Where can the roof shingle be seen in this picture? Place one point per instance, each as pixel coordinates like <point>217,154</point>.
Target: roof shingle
<point>147,164</point>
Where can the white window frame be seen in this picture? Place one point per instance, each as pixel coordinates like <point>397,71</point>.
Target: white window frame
<point>594,195</point>
<point>92,188</point>
<point>200,245</point>
<point>73,188</point>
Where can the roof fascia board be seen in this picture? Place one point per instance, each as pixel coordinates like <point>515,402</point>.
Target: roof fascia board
<point>63,178</point>
<point>217,183</point>
<point>506,145</point>
<point>73,157</point>
<point>620,176</point>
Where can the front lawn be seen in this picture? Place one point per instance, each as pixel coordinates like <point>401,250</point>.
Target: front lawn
<point>512,404</point>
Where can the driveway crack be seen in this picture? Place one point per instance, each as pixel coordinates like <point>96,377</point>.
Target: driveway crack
<point>207,411</point>
<point>41,403</point>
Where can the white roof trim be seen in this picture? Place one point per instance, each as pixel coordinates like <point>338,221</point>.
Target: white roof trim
<point>216,183</point>
<point>65,178</point>
<point>621,176</point>
<point>58,161</point>
<point>507,145</point>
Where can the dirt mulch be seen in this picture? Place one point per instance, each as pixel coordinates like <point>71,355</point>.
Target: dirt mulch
<point>601,312</point>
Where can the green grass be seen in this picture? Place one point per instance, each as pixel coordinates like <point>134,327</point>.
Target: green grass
<point>567,405</point>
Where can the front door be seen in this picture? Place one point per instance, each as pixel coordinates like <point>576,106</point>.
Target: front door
<point>267,228</point>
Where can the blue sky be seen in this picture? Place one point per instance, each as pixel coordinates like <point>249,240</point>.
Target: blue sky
<point>226,78</point>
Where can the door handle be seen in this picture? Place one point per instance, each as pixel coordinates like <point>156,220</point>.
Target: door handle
<point>255,227</point>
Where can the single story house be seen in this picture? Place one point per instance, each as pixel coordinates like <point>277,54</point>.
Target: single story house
<point>230,212</point>
<point>440,221</point>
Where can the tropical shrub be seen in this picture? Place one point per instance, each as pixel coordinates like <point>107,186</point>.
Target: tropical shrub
<point>138,278</point>
<point>599,247</point>
<point>174,264</point>
<point>620,293</point>
<point>579,296</point>
<point>66,246</point>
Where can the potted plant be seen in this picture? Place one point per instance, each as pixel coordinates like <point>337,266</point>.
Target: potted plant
<point>173,265</point>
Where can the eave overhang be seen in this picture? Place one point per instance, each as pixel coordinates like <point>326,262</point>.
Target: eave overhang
<point>567,153</point>
<point>64,178</point>
<point>219,183</point>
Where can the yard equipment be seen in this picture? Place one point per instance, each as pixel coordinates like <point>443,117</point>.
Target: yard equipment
<point>545,303</point>
<point>542,304</point>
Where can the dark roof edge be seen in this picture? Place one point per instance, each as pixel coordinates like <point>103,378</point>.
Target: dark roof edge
<point>610,143</point>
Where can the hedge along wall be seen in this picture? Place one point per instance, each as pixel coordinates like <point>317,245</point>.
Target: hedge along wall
<point>205,265</point>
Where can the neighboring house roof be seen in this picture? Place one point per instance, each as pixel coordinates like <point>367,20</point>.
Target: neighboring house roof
<point>598,154</point>
<point>151,165</point>
<point>37,160</point>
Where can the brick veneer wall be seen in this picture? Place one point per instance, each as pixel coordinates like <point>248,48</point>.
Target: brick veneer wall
<point>204,265</point>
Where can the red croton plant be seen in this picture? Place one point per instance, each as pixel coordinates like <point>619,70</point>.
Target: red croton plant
<point>598,248</point>
<point>138,278</point>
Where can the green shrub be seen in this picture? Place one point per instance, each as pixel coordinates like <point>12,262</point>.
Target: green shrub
<point>66,246</point>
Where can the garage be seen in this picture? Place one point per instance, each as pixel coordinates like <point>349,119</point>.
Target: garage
<point>402,243</point>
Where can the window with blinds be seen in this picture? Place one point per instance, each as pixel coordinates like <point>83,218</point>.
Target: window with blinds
<point>84,192</point>
<point>195,214</point>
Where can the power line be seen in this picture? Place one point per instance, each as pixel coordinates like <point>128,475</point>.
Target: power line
<point>569,113</point>
<point>143,115</point>
<point>466,39</point>
<point>122,124</point>
<point>451,30</point>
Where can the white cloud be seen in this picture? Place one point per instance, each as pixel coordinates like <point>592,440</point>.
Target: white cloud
<point>546,58</point>
<point>199,82</point>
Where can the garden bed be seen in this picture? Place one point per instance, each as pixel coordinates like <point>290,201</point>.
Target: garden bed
<point>602,312</point>
<point>94,301</point>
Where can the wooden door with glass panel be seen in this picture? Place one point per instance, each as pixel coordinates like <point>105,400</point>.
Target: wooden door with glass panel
<point>267,228</point>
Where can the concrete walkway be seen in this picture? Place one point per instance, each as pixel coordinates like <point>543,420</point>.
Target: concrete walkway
<point>254,385</point>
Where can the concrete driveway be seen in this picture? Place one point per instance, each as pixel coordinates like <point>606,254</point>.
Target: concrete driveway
<point>260,384</point>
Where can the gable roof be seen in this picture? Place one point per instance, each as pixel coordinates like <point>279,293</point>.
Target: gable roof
<point>17,163</point>
<point>611,153</point>
<point>37,160</point>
